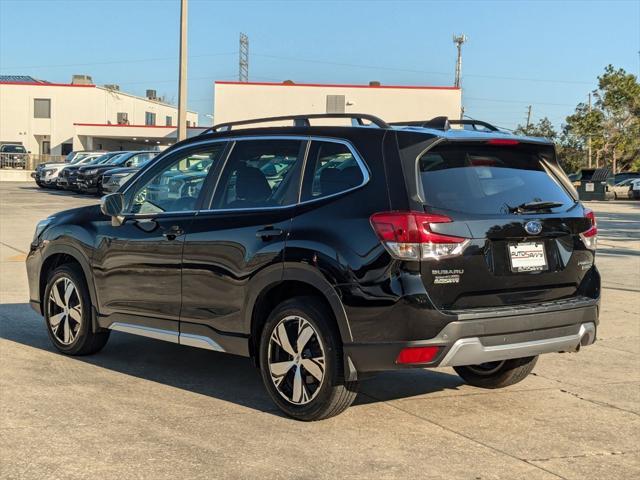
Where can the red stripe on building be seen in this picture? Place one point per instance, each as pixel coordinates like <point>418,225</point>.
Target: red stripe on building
<point>273,84</point>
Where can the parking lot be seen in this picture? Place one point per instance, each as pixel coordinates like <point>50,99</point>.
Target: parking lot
<point>147,409</point>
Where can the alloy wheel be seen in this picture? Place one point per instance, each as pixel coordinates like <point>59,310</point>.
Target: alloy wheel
<point>64,311</point>
<point>296,360</point>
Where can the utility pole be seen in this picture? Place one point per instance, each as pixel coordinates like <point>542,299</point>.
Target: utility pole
<point>459,40</point>
<point>528,117</point>
<point>243,63</point>
<point>589,137</point>
<point>182,79</point>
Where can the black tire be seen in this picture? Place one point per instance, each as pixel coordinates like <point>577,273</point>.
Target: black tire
<point>85,341</point>
<point>333,395</point>
<point>497,374</point>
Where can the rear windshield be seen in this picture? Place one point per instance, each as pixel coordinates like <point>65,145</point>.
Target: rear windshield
<point>485,179</point>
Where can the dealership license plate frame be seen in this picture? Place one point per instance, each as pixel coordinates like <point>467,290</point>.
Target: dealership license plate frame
<point>528,264</point>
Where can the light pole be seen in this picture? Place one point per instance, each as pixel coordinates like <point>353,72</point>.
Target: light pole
<point>182,79</point>
<point>459,40</point>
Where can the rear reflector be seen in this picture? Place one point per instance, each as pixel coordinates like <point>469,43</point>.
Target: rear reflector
<point>417,355</point>
<point>408,236</point>
<point>502,141</point>
<point>590,237</point>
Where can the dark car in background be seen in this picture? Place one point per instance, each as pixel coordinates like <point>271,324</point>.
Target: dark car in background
<point>621,176</point>
<point>90,177</point>
<point>68,176</point>
<point>115,178</point>
<point>366,248</point>
<point>13,155</point>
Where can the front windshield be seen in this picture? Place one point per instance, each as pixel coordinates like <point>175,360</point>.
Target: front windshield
<point>88,160</point>
<point>79,157</point>
<point>106,159</point>
<point>118,159</point>
<point>13,149</point>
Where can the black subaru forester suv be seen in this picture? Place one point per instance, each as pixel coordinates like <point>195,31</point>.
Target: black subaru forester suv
<point>326,253</point>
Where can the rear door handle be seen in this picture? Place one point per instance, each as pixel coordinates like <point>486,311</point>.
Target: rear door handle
<point>172,232</point>
<point>267,233</point>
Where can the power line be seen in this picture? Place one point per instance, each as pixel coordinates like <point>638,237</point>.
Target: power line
<point>304,60</point>
<point>154,81</point>
<point>526,102</point>
<point>113,62</point>
<point>380,67</point>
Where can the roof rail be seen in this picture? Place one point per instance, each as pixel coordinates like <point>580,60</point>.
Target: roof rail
<point>443,123</point>
<point>301,120</point>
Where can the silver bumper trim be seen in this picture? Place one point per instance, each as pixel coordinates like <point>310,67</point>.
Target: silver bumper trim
<point>471,351</point>
<point>200,342</point>
<point>189,339</point>
<point>157,333</point>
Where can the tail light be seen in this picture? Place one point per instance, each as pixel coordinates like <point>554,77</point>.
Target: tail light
<point>502,141</point>
<point>590,237</point>
<point>408,236</point>
<point>417,355</point>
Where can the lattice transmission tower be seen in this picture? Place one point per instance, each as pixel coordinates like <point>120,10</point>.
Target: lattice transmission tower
<point>243,61</point>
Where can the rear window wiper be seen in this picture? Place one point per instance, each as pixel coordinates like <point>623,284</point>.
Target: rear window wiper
<point>534,206</point>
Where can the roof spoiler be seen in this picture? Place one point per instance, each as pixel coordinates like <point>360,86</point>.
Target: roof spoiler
<point>443,123</point>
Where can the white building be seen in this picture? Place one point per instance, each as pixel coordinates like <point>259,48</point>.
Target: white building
<point>53,118</point>
<point>240,101</point>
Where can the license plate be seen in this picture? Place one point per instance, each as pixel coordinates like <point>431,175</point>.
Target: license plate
<point>527,257</point>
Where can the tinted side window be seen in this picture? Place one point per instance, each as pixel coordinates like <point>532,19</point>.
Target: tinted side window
<point>331,168</point>
<point>177,186</point>
<point>260,173</point>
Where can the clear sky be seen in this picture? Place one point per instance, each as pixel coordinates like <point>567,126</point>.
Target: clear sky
<point>544,53</point>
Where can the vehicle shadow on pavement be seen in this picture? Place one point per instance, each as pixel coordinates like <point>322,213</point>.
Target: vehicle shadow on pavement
<point>56,192</point>
<point>226,377</point>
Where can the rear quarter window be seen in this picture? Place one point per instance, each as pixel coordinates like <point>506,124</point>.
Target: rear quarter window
<point>485,179</point>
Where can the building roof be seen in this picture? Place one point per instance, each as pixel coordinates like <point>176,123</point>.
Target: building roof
<point>374,86</point>
<point>20,79</point>
<point>28,80</point>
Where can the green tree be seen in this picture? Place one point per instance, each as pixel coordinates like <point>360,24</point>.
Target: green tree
<point>613,123</point>
<point>544,128</point>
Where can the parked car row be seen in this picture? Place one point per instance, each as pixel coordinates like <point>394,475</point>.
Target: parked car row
<point>85,171</point>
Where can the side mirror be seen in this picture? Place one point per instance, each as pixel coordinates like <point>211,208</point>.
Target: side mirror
<point>112,206</point>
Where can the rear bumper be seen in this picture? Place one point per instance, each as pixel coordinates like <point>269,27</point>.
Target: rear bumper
<point>479,340</point>
<point>473,351</point>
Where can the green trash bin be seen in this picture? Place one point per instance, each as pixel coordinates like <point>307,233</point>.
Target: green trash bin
<point>594,183</point>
